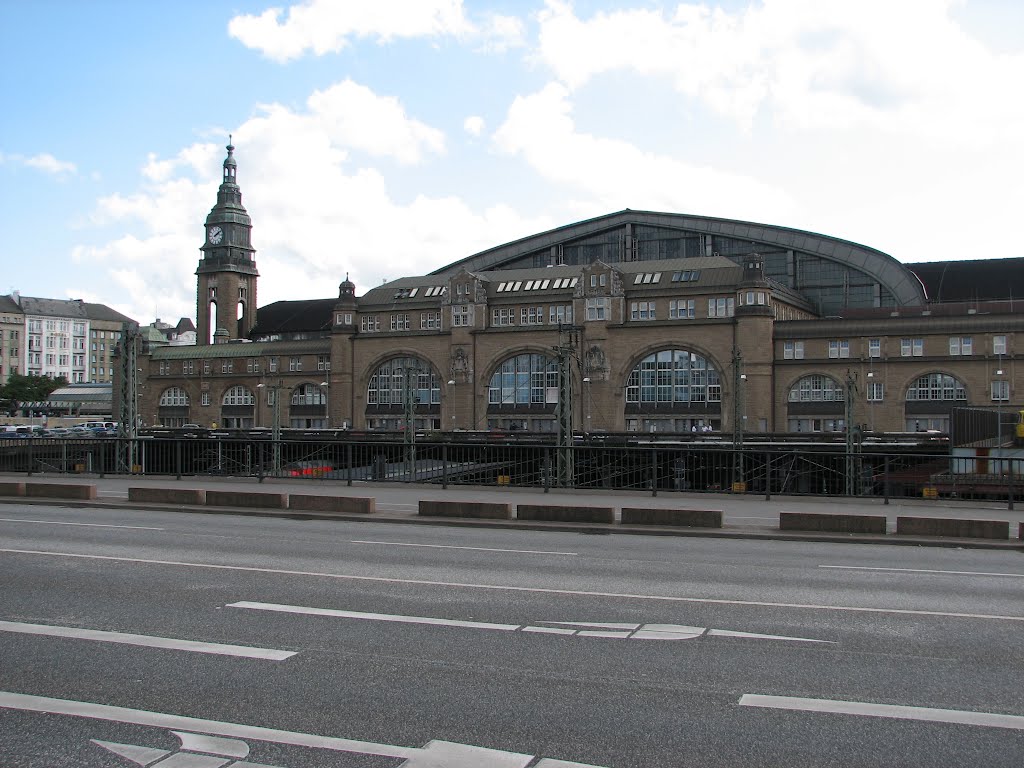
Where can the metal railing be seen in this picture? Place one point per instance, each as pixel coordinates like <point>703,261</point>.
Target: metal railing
<point>649,468</point>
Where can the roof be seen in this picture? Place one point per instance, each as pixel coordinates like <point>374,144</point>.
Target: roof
<point>73,308</point>
<point>104,313</point>
<point>80,393</point>
<point>972,279</point>
<point>8,304</point>
<point>890,273</point>
<point>310,315</point>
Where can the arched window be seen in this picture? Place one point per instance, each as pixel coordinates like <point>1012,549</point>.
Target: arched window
<point>817,403</point>
<point>309,394</point>
<point>524,380</point>
<point>673,377</point>
<point>937,386</point>
<point>239,395</point>
<point>389,382</point>
<point>817,388</point>
<point>173,396</point>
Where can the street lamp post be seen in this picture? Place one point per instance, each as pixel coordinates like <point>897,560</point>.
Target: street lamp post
<point>871,399</point>
<point>586,405</point>
<point>999,415</point>
<point>451,405</point>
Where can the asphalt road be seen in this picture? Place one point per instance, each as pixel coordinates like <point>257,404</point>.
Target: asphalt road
<point>277,642</point>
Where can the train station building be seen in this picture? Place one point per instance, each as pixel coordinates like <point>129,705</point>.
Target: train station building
<point>674,322</point>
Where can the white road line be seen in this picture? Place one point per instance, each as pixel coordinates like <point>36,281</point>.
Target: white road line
<point>335,613</point>
<point>533,590</point>
<point>148,641</point>
<point>867,709</point>
<point>578,628</point>
<point>449,546</point>
<point>921,570</point>
<point>85,525</point>
<point>435,754</point>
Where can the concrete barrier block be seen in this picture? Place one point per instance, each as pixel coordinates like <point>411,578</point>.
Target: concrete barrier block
<point>194,496</point>
<point>567,514</point>
<point>12,489</point>
<point>833,523</point>
<point>246,499</point>
<point>477,509</point>
<point>342,505</point>
<point>60,491</point>
<point>694,518</point>
<point>961,529</point>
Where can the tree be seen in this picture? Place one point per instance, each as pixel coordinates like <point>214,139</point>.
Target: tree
<point>30,388</point>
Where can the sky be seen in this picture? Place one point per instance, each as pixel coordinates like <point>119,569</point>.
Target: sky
<point>390,138</point>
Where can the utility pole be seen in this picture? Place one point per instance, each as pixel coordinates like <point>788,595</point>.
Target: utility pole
<point>852,444</point>
<point>128,414</point>
<point>410,418</point>
<point>274,391</point>
<point>565,352</point>
<point>739,380</point>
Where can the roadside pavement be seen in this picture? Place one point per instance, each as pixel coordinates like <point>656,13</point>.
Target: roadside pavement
<point>743,515</point>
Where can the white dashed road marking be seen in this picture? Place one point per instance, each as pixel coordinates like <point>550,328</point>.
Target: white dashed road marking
<point>867,709</point>
<point>166,643</point>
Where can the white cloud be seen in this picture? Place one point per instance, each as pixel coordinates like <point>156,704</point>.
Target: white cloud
<point>473,125</point>
<point>811,65</point>
<point>501,33</point>
<point>41,162</point>
<point>327,26</point>
<point>610,174</point>
<point>354,116</point>
<point>316,212</point>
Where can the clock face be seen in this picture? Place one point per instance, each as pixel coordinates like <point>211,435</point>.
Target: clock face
<point>216,235</point>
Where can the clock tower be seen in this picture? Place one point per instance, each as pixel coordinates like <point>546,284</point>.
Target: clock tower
<point>226,284</point>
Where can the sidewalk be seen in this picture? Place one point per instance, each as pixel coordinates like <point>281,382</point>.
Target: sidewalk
<point>744,516</point>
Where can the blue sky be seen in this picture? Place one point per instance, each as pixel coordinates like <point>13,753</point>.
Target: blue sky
<point>390,138</point>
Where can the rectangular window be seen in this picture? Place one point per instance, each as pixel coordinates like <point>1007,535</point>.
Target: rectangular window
<point>681,309</point>
<point>642,310</point>
<point>399,322</point>
<point>911,347</point>
<point>1000,391</point>
<point>998,345</point>
<point>206,398</point>
<point>250,365</point>
<point>876,391</point>
<point>462,316</point>
<point>597,309</point>
<point>206,367</point>
<point>874,347</point>
<point>294,363</point>
<point>788,350</point>
<point>961,345</point>
<point>323,363</point>
<point>369,323</point>
<point>503,316</point>
<point>839,348</point>
<point>430,321</point>
<point>273,364</point>
<point>188,367</point>
<point>165,367</point>
<point>531,316</point>
<point>560,314</point>
<point>724,307</point>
